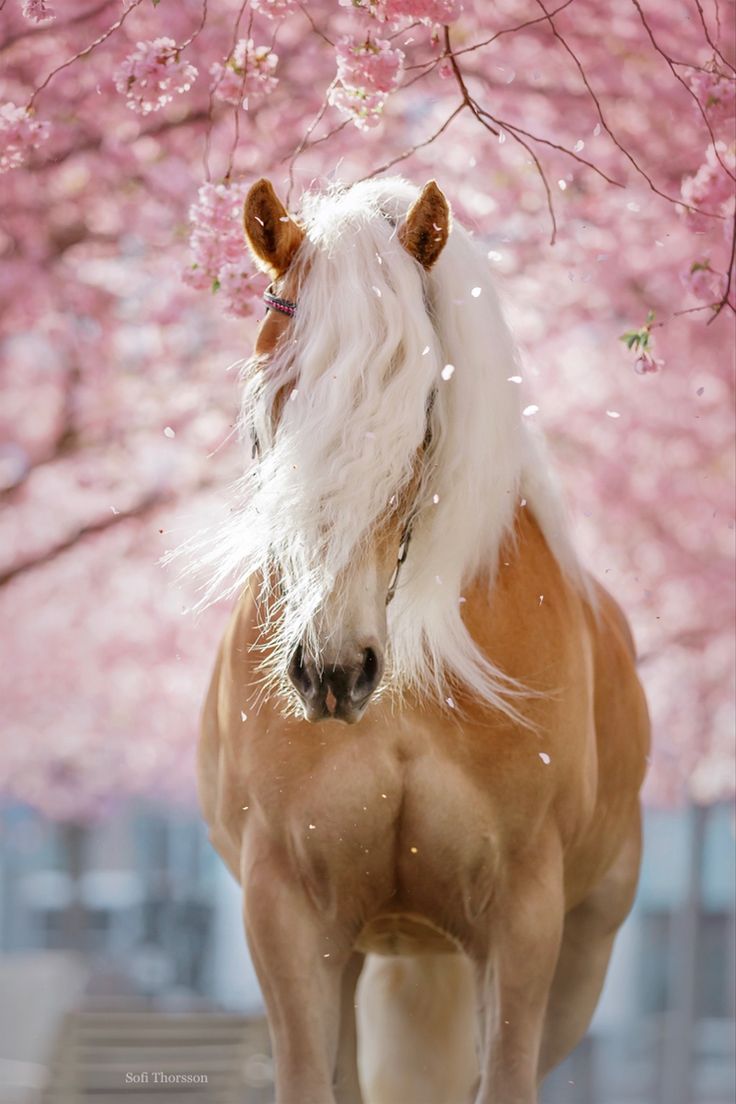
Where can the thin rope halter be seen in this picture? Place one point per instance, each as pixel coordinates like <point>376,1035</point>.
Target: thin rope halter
<point>288,307</point>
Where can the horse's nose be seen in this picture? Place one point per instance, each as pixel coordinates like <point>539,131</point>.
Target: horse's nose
<point>339,690</point>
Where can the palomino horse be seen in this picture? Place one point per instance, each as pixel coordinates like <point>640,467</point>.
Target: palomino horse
<point>431,887</point>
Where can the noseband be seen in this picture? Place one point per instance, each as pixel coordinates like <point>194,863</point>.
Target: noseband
<point>288,307</point>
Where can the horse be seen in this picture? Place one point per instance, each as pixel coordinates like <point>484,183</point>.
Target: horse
<point>424,739</point>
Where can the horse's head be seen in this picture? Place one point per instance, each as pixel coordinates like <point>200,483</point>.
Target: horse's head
<point>339,399</point>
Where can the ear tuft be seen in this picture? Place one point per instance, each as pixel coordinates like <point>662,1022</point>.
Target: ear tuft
<point>271,233</point>
<point>425,230</point>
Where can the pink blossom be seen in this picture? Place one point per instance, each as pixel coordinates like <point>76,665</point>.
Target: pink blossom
<point>429,11</point>
<point>716,93</point>
<point>711,186</point>
<point>248,71</point>
<point>19,134</point>
<point>645,364</point>
<point>234,281</point>
<point>392,11</point>
<point>364,108</point>
<point>38,11</point>
<point>274,9</point>
<point>703,282</point>
<point>151,76</point>
<point>218,254</point>
<point>369,65</point>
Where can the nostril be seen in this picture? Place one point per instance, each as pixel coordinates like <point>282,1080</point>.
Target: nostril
<point>369,674</point>
<point>298,672</point>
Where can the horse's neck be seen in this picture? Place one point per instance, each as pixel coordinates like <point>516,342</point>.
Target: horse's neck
<point>521,617</point>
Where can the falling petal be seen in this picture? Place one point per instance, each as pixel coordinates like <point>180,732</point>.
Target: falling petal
<point>544,757</point>
<point>475,292</point>
<point>613,414</point>
<point>529,410</point>
<point>450,702</point>
<point>169,432</point>
<point>514,379</point>
<point>243,716</point>
<point>425,350</point>
<point>435,498</point>
<point>448,371</point>
<point>562,185</point>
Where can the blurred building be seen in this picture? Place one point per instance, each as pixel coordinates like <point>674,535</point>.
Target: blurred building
<point>138,913</point>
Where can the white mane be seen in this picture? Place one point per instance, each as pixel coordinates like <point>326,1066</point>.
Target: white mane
<point>371,337</point>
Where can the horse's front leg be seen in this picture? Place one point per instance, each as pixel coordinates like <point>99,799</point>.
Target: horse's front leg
<point>515,964</point>
<point>299,958</point>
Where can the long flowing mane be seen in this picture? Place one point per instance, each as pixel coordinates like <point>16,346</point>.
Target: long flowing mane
<point>376,344</point>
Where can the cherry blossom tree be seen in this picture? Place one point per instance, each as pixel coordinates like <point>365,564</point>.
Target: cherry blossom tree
<point>588,144</point>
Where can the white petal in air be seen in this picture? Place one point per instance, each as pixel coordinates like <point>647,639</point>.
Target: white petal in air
<point>529,410</point>
<point>448,371</point>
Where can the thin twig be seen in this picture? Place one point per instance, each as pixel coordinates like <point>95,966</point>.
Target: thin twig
<point>238,107</point>
<point>413,149</point>
<point>684,84</point>
<point>305,139</point>
<point>488,41</point>
<point>198,30</point>
<point>562,149</point>
<point>83,53</point>
<point>52,25</point>
<point>708,39</point>
<point>479,111</point>
<point>213,89</point>
<point>604,123</point>
<point>729,279</point>
<point>305,10</point>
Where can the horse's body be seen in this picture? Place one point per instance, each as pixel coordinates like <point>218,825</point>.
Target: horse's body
<point>482,860</point>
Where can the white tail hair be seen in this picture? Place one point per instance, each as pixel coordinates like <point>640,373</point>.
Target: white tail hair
<point>376,343</point>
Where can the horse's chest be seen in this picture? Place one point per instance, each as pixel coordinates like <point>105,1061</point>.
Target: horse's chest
<point>368,828</point>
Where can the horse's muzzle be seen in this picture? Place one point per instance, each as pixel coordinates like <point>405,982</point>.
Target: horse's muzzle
<point>340,691</point>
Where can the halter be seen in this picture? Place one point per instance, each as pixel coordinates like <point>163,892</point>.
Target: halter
<point>275,302</point>
<point>287,306</point>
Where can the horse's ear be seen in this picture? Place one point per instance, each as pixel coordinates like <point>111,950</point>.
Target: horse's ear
<point>272,234</point>
<point>426,227</point>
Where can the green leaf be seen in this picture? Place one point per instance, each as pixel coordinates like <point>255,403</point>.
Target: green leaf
<point>215,284</point>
